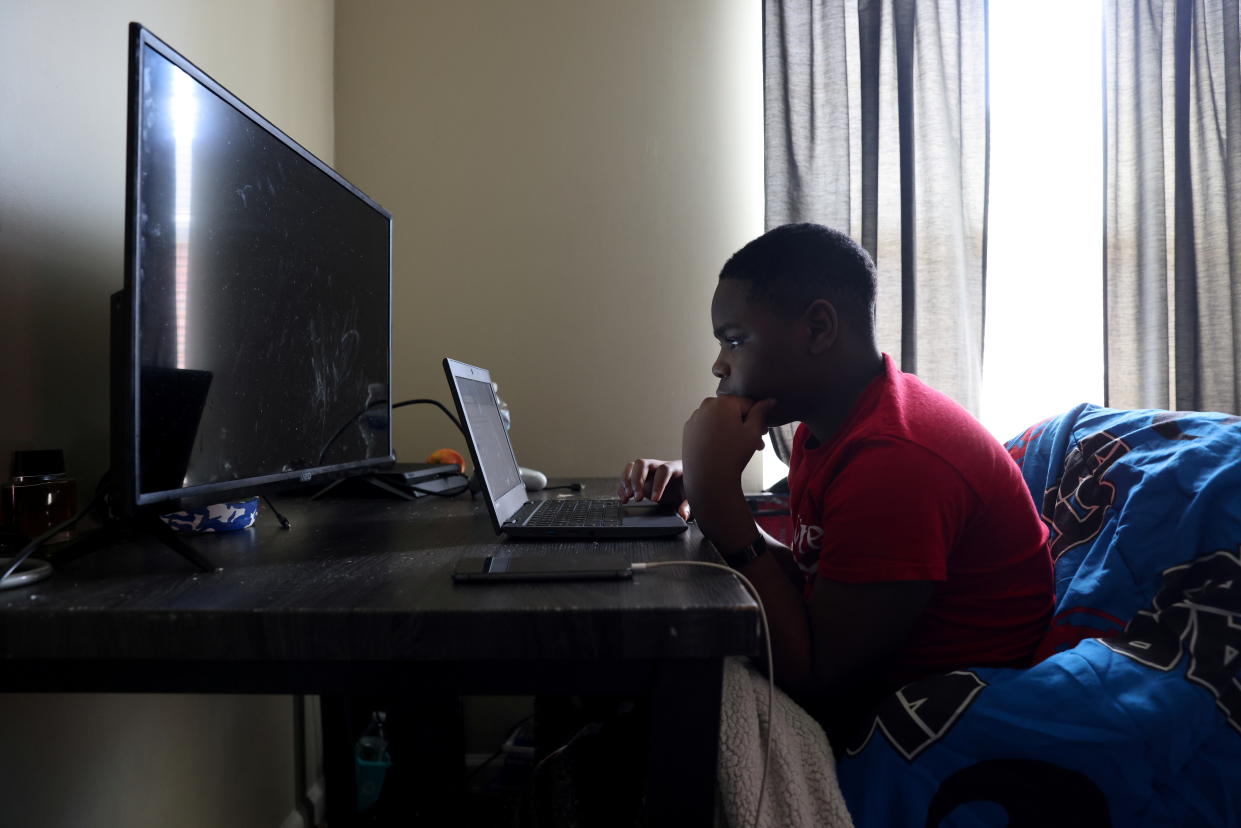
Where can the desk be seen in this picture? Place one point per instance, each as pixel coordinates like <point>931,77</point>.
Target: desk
<point>357,599</point>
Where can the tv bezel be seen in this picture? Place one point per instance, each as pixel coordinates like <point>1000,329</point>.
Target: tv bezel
<point>125,361</point>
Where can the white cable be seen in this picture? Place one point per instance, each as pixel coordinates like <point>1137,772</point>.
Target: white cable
<point>771,682</point>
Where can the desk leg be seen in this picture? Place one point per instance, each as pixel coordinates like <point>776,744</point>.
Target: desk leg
<point>338,739</point>
<point>426,784</point>
<point>685,734</point>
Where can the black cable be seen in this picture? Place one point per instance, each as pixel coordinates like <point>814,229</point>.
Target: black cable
<point>438,405</point>
<point>284,521</point>
<point>354,419</point>
<point>512,731</point>
<point>323,451</point>
<point>477,770</point>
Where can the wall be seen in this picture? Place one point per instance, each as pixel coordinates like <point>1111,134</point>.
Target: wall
<point>122,760</point>
<point>566,178</point>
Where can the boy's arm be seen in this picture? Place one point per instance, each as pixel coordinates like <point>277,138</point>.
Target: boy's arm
<point>784,557</point>
<point>848,632</point>
<point>719,439</point>
<point>839,641</point>
<point>845,633</point>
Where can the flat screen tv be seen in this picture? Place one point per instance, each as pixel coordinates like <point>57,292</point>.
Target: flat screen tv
<point>252,338</point>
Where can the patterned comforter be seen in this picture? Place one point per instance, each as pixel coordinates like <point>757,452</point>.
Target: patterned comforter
<point>1132,715</point>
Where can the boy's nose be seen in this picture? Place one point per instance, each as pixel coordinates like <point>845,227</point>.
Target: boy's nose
<point>720,368</point>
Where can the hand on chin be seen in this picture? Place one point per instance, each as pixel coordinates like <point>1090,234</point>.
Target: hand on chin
<point>721,436</point>
<point>772,416</point>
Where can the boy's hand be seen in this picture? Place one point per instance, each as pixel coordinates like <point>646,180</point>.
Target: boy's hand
<point>722,435</point>
<point>719,439</point>
<point>659,480</point>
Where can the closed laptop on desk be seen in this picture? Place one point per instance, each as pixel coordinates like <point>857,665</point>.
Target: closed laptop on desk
<point>511,512</point>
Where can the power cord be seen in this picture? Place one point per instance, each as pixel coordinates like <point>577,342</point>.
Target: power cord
<point>323,452</point>
<point>284,521</point>
<point>438,405</point>
<point>771,682</point>
<point>512,732</point>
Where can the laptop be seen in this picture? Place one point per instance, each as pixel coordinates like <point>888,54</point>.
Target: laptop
<point>511,511</point>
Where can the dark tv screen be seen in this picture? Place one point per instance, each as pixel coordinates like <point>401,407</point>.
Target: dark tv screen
<point>258,291</point>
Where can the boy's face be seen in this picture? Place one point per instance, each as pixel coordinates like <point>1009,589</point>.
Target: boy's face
<point>761,352</point>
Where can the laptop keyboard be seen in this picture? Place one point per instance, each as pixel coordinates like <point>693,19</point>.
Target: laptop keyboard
<point>570,512</point>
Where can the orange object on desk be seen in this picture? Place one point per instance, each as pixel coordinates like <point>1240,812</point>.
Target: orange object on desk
<point>447,455</point>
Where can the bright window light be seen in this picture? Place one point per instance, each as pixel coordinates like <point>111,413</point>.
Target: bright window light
<point>1044,331</point>
<point>774,469</point>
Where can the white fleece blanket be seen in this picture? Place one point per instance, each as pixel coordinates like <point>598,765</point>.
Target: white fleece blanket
<point>801,776</point>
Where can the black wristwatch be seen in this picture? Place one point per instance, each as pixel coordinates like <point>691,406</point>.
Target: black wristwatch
<point>746,554</point>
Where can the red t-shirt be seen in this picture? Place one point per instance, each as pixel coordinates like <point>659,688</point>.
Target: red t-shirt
<point>912,488</point>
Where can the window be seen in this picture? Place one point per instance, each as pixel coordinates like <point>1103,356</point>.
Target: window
<point>1044,314</point>
<point>1044,327</point>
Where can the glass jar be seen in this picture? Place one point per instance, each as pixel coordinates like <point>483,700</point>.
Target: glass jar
<point>40,495</point>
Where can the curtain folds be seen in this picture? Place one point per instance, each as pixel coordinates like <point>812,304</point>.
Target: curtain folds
<point>876,124</point>
<point>1172,84</point>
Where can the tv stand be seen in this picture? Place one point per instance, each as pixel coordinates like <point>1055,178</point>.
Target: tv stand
<point>132,530</point>
<point>408,481</point>
<point>161,531</point>
<point>364,479</point>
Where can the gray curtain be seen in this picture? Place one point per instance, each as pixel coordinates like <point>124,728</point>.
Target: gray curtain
<point>1173,203</point>
<point>876,124</point>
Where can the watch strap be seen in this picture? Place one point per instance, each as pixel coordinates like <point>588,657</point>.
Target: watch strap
<point>744,556</point>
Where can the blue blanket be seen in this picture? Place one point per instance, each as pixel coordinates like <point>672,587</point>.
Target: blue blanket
<point>1133,714</point>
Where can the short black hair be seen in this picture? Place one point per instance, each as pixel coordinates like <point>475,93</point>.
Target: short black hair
<point>792,265</point>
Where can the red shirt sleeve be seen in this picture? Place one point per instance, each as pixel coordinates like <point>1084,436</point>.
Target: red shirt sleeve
<point>892,513</point>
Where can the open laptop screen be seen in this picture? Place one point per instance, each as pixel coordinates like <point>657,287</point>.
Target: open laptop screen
<point>489,445</point>
<point>496,459</point>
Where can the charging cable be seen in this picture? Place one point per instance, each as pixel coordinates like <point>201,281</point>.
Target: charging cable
<point>285,523</point>
<point>771,682</point>
<point>323,451</point>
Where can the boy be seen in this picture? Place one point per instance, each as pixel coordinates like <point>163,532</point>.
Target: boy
<point>917,548</point>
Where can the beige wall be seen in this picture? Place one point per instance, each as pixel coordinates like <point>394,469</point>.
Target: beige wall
<point>62,180</point>
<point>71,760</point>
<point>566,179</point>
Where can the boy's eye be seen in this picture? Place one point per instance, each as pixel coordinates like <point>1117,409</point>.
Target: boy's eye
<point>733,343</point>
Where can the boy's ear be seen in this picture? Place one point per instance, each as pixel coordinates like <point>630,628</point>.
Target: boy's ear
<point>822,324</point>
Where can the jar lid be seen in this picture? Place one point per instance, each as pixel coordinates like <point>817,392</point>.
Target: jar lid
<point>38,462</point>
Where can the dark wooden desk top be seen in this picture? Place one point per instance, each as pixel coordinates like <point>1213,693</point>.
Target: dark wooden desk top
<point>367,581</point>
